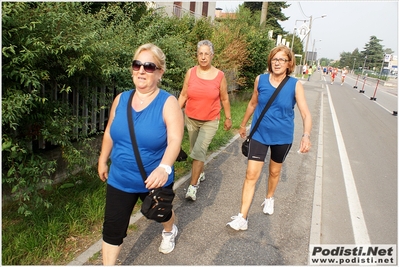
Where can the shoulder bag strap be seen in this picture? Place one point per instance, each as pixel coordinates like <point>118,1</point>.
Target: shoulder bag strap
<point>269,103</point>
<point>133,137</point>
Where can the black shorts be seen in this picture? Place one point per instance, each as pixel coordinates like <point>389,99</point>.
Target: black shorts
<point>118,209</point>
<point>258,151</point>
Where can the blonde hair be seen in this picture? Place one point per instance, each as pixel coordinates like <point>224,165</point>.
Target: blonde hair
<point>159,56</point>
<point>288,53</point>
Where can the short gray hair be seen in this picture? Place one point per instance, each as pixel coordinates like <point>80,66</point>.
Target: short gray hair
<point>205,42</point>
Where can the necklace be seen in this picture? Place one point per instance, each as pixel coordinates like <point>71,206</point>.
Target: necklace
<point>148,96</point>
<point>141,101</point>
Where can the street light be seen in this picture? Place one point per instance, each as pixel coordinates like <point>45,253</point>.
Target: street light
<point>314,41</point>
<point>307,39</point>
<point>382,66</point>
<point>364,64</point>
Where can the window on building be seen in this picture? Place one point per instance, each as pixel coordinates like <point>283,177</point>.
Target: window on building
<point>205,9</point>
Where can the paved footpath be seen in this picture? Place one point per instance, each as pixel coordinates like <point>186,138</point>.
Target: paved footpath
<point>204,239</point>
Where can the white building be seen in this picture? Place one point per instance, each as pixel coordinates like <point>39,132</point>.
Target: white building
<point>197,9</point>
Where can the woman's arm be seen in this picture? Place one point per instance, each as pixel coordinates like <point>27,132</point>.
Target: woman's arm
<point>173,118</point>
<point>306,117</point>
<point>224,98</point>
<point>183,94</point>
<point>107,143</point>
<point>250,109</point>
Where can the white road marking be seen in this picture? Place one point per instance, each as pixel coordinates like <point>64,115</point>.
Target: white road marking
<point>358,223</point>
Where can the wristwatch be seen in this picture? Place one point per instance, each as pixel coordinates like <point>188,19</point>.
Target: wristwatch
<point>167,168</point>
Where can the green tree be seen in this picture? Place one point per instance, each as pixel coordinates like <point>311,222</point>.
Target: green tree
<point>53,53</point>
<point>374,52</point>
<point>274,14</point>
<point>346,59</point>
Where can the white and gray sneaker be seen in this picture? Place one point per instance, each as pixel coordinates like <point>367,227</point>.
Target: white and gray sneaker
<point>201,178</point>
<point>168,240</point>
<point>238,223</point>
<point>192,192</point>
<point>268,206</point>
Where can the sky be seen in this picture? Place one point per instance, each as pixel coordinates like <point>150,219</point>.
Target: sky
<point>347,26</point>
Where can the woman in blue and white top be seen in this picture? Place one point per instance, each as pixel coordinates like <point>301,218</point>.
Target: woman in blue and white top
<point>159,128</point>
<point>276,130</point>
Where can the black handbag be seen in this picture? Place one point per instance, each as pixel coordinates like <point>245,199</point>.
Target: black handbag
<point>157,205</point>
<point>245,144</point>
<point>182,155</point>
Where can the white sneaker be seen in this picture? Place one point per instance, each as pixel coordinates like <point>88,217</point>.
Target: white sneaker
<point>191,192</point>
<point>238,223</point>
<point>268,206</point>
<point>201,178</point>
<point>168,240</point>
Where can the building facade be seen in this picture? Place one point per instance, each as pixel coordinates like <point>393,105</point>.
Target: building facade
<point>197,9</point>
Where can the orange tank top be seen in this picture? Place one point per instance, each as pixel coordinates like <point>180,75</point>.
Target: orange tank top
<point>203,97</point>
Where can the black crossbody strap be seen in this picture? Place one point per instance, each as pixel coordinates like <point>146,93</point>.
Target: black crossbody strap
<point>269,103</point>
<point>133,137</point>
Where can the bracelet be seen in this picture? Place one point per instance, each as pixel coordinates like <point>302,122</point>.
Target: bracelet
<point>229,118</point>
<point>242,126</point>
<point>306,134</point>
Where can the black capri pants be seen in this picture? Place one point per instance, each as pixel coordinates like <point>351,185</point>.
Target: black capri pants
<point>258,151</point>
<point>118,209</point>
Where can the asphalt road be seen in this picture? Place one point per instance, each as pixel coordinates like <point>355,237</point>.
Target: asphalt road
<point>343,192</point>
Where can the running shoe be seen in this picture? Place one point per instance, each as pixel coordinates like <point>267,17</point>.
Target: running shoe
<point>268,206</point>
<point>168,240</point>
<point>201,178</point>
<point>238,223</point>
<point>192,192</point>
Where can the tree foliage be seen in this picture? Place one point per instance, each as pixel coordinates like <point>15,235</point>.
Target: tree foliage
<point>371,57</point>
<point>274,14</point>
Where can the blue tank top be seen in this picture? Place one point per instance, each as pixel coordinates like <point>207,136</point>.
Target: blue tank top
<point>277,126</point>
<point>151,138</point>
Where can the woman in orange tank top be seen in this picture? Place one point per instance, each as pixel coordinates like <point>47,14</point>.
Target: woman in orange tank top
<point>204,92</point>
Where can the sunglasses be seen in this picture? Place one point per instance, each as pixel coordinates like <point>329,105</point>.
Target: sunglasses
<point>149,67</point>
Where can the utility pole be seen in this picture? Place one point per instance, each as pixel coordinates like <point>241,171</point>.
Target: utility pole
<point>307,41</point>
<point>263,14</point>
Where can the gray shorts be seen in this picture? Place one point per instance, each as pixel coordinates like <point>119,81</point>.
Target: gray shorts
<point>200,134</point>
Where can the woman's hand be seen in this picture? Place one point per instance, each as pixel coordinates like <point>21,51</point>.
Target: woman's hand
<point>157,178</point>
<point>227,124</point>
<point>305,144</point>
<point>103,171</point>
<point>242,131</point>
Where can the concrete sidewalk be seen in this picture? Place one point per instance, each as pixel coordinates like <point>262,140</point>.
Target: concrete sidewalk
<point>204,238</point>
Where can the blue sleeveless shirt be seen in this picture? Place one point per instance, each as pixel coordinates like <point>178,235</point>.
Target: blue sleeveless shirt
<point>151,138</point>
<point>277,126</point>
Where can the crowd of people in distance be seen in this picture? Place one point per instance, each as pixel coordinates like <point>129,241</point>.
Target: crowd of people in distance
<point>333,72</point>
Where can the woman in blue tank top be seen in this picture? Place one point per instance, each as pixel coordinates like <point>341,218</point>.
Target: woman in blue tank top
<point>276,129</point>
<point>159,128</point>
